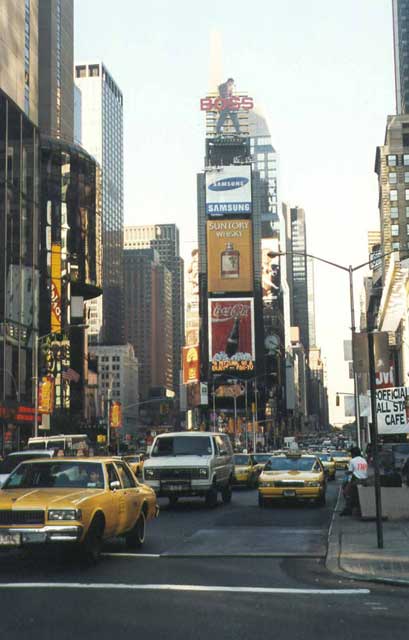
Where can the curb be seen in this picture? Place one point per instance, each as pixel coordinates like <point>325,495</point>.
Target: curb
<point>332,561</point>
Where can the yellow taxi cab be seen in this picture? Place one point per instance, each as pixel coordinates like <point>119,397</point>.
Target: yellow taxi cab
<point>292,476</point>
<point>135,461</point>
<point>329,465</point>
<point>341,459</point>
<point>82,501</point>
<point>245,470</point>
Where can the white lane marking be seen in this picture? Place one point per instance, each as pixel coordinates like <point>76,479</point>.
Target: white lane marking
<point>180,587</point>
<point>131,555</point>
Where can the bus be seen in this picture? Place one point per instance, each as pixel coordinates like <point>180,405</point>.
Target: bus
<point>70,443</point>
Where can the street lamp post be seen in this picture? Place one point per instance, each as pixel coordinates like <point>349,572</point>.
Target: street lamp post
<point>350,270</point>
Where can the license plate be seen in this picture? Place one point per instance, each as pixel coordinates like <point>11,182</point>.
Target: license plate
<point>289,493</point>
<point>175,487</point>
<point>10,539</point>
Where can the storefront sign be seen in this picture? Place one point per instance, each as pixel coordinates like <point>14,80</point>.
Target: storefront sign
<point>392,408</point>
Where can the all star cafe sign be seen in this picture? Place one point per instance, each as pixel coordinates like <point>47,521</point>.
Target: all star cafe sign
<point>392,410</point>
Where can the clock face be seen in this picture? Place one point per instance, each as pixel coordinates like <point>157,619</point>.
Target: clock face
<point>272,343</point>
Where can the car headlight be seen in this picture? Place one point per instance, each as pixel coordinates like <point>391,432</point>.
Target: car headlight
<point>150,474</point>
<point>203,473</point>
<point>64,514</point>
<point>313,484</point>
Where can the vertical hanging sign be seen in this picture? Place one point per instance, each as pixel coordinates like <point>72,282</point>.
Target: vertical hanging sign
<point>56,288</point>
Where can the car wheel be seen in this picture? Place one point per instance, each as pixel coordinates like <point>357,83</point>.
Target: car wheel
<point>226,493</point>
<point>211,497</point>
<point>261,501</point>
<point>136,537</point>
<point>92,545</point>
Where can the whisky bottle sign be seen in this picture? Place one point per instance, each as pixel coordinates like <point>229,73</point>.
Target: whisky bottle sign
<point>230,256</point>
<point>230,262</point>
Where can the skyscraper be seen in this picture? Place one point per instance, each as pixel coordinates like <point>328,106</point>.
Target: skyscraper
<point>297,271</point>
<point>148,318</point>
<point>19,238</point>
<point>164,238</point>
<point>56,60</point>
<point>19,54</point>
<point>102,137</point>
<point>392,167</point>
<point>400,10</point>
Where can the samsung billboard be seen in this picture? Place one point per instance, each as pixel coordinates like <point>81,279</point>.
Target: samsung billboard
<point>228,191</point>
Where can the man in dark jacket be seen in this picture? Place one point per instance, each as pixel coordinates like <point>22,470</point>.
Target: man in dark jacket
<point>225,92</point>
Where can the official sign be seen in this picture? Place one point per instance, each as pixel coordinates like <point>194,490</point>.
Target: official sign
<point>228,191</point>
<point>392,410</point>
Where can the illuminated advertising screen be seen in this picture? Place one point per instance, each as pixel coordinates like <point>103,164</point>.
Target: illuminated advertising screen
<point>270,279</point>
<point>231,335</point>
<point>191,364</point>
<point>229,256</point>
<point>56,288</point>
<point>228,191</point>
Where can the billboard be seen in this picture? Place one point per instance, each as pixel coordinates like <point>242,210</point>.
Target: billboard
<point>191,364</point>
<point>229,256</point>
<point>228,191</point>
<point>270,276</point>
<point>56,288</point>
<point>392,410</point>
<point>115,415</point>
<point>231,334</point>
<point>46,395</point>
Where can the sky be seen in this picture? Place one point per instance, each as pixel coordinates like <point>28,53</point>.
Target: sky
<point>321,70</point>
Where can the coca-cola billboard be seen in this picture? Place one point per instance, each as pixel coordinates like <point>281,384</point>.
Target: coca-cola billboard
<point>231,334</point>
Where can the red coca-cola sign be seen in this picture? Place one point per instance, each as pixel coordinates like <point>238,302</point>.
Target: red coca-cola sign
<point>231,334</point>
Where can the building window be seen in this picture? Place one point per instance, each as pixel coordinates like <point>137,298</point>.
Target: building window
<point>393,195</point>
<point>395,212</point>
<point>406,194</point>
<point>407,211</point>
<point>406,176</point>
<point>407,229</point>
<point>94,70</point>
<point>393,178</point>
<point>395,246</point>
<point>392,161</point>
<point>406,159</point>
<point>81,72</point>
<point>394,230</point>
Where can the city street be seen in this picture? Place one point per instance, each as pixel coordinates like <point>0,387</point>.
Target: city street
<point>235,571</point>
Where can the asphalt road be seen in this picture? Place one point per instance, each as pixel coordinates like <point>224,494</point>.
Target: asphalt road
<point>235,571</point>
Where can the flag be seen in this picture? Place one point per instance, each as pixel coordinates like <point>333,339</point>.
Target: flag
<point>71,375</point>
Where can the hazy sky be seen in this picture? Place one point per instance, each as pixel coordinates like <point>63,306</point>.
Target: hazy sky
<point>323,72</point>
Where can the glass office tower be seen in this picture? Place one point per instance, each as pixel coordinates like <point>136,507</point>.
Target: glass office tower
<point>102,137</point>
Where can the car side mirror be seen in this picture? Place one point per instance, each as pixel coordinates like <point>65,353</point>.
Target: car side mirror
<point>114,485</point>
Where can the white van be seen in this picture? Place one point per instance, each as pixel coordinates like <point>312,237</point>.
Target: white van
<point>191,463</point>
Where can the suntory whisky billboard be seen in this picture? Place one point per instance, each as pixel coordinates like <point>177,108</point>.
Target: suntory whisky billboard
<point>231,335</point>
<point>228,191</point>
<point>229,256</point>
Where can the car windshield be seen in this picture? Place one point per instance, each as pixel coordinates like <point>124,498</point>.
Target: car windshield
<point>262,457</point>
<point>290,464</point>
<point>132,458</point>
<point>241,459</point>
<point>340,454</point>
<point>11,462</point>
<point>182,446</point>
<point>68,474</point>
<point>325,456</point>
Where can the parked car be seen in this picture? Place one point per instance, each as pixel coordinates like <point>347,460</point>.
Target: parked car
<point>80,501</point>
<point>12,460</point>
<point>292,476</point>
<point>191,463</point>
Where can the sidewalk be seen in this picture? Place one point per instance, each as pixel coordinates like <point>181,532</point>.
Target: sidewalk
<point>353,550</point>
